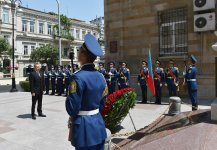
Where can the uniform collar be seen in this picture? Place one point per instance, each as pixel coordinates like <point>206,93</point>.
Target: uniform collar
<point>88,66</point>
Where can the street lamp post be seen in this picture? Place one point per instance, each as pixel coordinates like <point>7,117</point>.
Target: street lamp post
<point>13,8</point>
<point>59,32</point>
<point>71,56</point>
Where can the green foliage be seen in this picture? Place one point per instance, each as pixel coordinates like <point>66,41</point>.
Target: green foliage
<point>65,26</point>
<point>46,54</point>
<point>4,46</point>
<point>25,85</point>
<point>117,107</point>
<point>52,13</point>
<point>101,38</point>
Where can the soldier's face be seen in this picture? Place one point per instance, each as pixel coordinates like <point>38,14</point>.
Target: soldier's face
<point>111,65</point>
<point>171,65</point>
<point>144,65</point>
<point>81,56</point>
<point>157,64</point>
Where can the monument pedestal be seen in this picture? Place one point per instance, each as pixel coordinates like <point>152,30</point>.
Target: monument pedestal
<point>214,110</point>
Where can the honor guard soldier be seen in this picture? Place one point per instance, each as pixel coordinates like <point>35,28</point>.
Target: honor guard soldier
<point>172,78</point>
<point>67,79</point>
<point>111,77</point>
<point>53,80</point>
<point>190,78</point>
<point>64,76</point>
<point>75,67</point>
<point>142,80</point>
<point>60,77</point>
<point>123,76</point>
<point>87,93</point>
<point>47,79</point>
<point>102,69</point>
<point>158,81</point>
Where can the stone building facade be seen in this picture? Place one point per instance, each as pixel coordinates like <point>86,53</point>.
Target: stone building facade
<point>167,27</point>
<point>33,29</point>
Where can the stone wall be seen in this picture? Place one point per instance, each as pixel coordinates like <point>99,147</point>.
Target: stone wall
<point>134,25</point>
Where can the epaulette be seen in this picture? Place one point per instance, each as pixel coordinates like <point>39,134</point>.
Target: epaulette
<point>128,69</point>
<point>162,69</point>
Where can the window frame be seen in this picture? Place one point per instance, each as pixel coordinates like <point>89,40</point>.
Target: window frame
<point>49,30</point>
<point>77,34</point>
<point>173,41</point>
<point>32,27</point>
<point>25,51</point>
<point>7,18</point>
<point>24,26</point>
<point>41,29</point>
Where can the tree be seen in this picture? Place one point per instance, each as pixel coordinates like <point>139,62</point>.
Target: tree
<point>46,54</point>
<point>99,30</point>
<point>65,25</point>
<point>5,47</point>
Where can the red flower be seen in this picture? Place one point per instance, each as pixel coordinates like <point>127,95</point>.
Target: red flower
<point>112,98</point>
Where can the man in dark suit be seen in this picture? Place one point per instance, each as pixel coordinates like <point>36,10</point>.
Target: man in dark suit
<point>37,88</point>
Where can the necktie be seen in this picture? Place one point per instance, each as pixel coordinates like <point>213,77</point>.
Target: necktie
<point>39,74</point>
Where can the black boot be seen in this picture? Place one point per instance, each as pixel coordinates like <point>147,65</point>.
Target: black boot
<point>34,117</point>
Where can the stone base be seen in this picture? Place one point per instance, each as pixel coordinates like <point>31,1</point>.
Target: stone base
<point>214,110</point>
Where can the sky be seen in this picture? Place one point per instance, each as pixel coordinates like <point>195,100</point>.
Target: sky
<point>79,9</point>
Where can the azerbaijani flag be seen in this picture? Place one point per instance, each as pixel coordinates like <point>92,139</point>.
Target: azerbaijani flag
<point>150,84</point>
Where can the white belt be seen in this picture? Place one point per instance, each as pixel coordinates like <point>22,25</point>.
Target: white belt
<point>88,113</point>
<point>191,80</point>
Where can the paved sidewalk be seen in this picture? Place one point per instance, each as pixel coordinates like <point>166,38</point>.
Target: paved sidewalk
<point>8,81</point>
<point>19,132</point>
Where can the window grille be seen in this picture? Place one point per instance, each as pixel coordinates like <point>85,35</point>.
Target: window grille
<point>173,32</point>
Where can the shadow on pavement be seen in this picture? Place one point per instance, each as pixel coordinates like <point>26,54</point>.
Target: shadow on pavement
<point>24,116</point>
<point>7,88</point>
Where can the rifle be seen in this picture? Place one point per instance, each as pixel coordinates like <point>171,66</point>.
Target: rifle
<point>70,124</point>
<point>185,70</point>
<point>122,75</point>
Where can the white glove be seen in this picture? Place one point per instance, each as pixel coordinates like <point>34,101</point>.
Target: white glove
<point>138,84</point>
<point>176,84</point>
<point>110,73</point>
<point>119,84</point>
<point>161,85</point>
<point>165,84</point>
<point>184,73</point>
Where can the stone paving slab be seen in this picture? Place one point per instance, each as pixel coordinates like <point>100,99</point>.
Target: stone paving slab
<point>201,136</point>
<point>19,132</point>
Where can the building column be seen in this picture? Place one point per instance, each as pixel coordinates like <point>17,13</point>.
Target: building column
<point>80,36</point>
<point>74,33</point>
